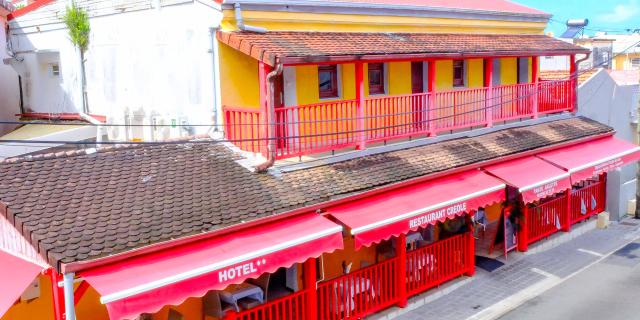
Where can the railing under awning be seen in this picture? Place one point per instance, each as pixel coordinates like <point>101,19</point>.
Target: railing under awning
<point>145,284</point>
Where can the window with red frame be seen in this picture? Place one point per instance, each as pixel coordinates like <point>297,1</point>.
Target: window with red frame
<point>458,73</point>
<point>376,78</point>
<point>328,81</point>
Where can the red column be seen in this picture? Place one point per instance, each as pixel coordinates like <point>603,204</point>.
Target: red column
<point>534,78</point>
<point>573,74</point>
<point>471,259</point>
<point>523,233</point>
<point>431,88</point>
<point>263,71</point>
<point>57,294</point>
<point>310,286</point>
<point>401,249</point>
<point>360,123</point>
<point>603,201</point>
<point>488,83</point>
<point>566,225</point>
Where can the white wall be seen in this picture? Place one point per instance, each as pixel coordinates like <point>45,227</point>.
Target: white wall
<point>9,94</point>
<point>145,61</point>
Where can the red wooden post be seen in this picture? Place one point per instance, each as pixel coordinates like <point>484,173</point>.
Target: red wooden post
<point>523,233</point>
<point>471,259</point>
<point>534,78</point>
<point>263,71</point>
<point>566,227</point>
<point>311,288</point>
<point>488,84</point>
<point>431,88</point>
<point>573,77</point>
<point>401,249</point>
<point>603,185</point>
<point>230,315</point>
<point>57,293</point>
<point>360,122</point>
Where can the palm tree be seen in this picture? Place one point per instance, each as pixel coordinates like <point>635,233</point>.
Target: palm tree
<point>77,21</point>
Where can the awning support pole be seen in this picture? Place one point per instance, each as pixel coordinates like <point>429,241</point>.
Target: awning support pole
<point>69,297</point>
<point>401,272</point>
<point>523,233</point>
<point>488,83</point>
<point>567,222</point>
<point>360,114</point>
<point>536,87</point>
<point>310,286</point>
<point>471,254</point>
<point>57,294</point>
<point>431,87</point>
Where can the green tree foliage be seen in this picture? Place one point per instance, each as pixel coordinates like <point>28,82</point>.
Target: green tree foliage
<point>77,21</point>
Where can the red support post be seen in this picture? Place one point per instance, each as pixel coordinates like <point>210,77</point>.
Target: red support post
<point>523,233</point>
<point>535,64</point>
<point>566,227</point>
<point>471,259</point>
<point>401,249</point>
<point>80,291</point>
<point>573,77</point>
<point>431,88</point>
<point>310,286</point>
<point>263,71</point>
<point>604,191</point>
<point>488,83</point>
<point>360,114</point>
<point>57,294</point>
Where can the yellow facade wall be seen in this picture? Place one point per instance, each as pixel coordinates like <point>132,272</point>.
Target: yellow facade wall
<point>301,21</point>
<point>444,75</point>
<point>399,78</point>
<point>239,79</point>
<point>508,71</point>
<point>475,73</point>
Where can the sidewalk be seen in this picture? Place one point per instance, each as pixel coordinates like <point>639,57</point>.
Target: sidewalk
<point>524,276</point>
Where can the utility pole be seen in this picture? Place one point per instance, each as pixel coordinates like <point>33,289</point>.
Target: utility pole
<point>637,213</point>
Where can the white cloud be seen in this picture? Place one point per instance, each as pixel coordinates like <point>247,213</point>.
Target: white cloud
<point>621,12</point>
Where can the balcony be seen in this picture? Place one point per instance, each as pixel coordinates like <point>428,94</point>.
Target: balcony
<point>330,126</point>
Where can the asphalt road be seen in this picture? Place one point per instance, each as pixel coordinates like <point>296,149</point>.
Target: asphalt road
<point>608,290</point>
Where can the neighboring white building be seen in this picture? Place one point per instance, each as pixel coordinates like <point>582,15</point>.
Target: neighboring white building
<point>148,62</point>
<point>9,95</point>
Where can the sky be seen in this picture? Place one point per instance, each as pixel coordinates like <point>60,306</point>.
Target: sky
<point>604,15</point>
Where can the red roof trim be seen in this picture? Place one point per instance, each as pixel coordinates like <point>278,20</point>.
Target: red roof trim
<point>26,9</point>
<point>59,116</point>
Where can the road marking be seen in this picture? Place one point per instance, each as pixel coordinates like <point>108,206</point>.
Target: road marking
<point>597,254</point>
<point>544,273</point>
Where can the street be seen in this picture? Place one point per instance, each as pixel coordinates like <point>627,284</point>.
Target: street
<point>606,290</point>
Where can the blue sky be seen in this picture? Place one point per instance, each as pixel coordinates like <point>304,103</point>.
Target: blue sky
<point>611,15</point>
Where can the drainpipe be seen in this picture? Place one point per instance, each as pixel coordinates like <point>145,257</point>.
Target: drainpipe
<point>271,120</point>
<point>215,72</point>
<point>577,71</point>
<point>240,21</point>
<point>69,300</point>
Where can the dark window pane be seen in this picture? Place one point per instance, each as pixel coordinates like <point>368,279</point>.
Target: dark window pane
<point>328,81</point>
<point>376,78</point>
<point>458,73</point>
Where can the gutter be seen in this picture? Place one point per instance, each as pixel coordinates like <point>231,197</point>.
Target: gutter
<point>85,265</point>
<point>240,21</point>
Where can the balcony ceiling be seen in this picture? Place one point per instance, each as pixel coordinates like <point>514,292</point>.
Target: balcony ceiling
<point>317,47</point>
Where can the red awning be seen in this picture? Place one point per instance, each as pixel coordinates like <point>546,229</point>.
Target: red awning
<point>398,211</point>
<point>533,177</point>
<point>589,159</point>
<point>147,283</point>
<point>15,275</point>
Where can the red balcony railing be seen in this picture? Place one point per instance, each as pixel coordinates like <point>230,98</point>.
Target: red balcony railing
<point>291,307</point>
<point>546,218</point>
<point>307,129</point>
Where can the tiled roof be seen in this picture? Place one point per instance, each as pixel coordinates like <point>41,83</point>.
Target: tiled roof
<point>583,75</point>
<point>81,206</point>
<point>300,47</point>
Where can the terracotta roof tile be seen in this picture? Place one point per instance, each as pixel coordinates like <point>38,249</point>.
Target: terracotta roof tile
<point>78,206</point>
<point>301,47</point>
<point>564,74</point>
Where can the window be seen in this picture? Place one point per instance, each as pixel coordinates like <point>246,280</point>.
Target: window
<point>328,81</point>
<point>54,70</point>
<point>635,63</point>
<point>458,73</point>
<point>376,78</point>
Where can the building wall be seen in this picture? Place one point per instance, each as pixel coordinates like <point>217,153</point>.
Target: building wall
<point>141,60</point>
<point>601,99</point>
<point>623,61</point>
<point>9,92</point>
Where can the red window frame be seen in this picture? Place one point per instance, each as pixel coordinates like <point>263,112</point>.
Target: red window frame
<point>376,71</point>
<point>330,91</point>
<point>458,73</point>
